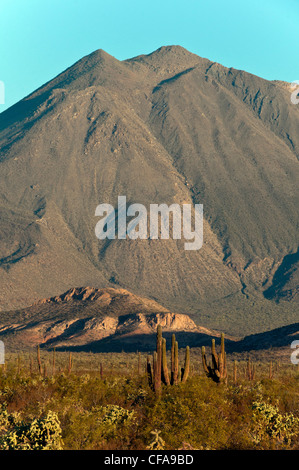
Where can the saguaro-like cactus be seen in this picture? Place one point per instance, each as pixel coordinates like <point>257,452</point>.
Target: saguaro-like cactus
<point>39,363</point>
<point>176,363</point>
<point>186,366</point>
<point>159,373</point>
<point>165,373</point>
<point>158,361</point>
<point>149,371</point>
<point>70,364</point>
<point>235,372</point>
<point>217,370</point>
<point>250,370</point>
<point>172,358</point>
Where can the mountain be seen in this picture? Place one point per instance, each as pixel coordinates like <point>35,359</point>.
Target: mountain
<point>276,344</point>
<point>96,320</point>
<point>168,127</point>
<point>115,320</point>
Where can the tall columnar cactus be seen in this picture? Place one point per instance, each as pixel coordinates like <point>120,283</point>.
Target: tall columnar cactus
<point>186,366</point>
<point>217,371</point>
<point>70,364</point>
<point>250,370</point>
<point>172,358</point>
<point>158,361</point>
<point>176,363</point>
<point>39,363</point>
<point>30,364</point>
<point>165,373</point>
<point>159,373</point>
<point>149,371</point>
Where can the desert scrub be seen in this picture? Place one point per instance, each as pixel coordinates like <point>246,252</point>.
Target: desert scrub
<point>271,428</point>
<point>115,415</point>
<point>95,428</point>
<point>40,434</point>
<point>195,412</point>
<point>94,411</point>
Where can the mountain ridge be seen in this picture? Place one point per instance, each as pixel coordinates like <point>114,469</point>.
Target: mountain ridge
<point>107,320</point>
<point>166,127</point>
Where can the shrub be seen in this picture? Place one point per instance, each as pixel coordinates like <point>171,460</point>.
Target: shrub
<point>270,425</point>
<point>40,434</point>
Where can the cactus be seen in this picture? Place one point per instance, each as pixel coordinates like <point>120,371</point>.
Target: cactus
<point>172,358</point>
<point>158,372</point>
<point>158,361</point>
<point>186,366</point>
<point>165,374</point>
<point>250,370</point>
<point>70,364</point>
<point>176,363</point>
<point>149,371</point>
<point>217,371</point>
<point>39,360</point>
<point>235,372</point>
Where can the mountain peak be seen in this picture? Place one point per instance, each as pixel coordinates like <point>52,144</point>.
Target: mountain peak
<point>170,50</point>
<point>95,69</point>
<point>168,60</point>
<point>159,128</point>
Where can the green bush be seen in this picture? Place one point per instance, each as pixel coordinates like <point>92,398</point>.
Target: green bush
<point>270,426</point>
<point>40,434</point>
<point>84,410</point>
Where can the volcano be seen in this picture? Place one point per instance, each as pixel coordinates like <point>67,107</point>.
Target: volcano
<point>165,128</point>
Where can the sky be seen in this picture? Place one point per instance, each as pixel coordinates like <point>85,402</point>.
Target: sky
<point>41,38</point>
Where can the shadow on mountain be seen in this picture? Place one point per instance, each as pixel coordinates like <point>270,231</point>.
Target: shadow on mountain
<point>145,343</point>
<point>278,290</point>
<point>23,110</point>
<point>280,337</point>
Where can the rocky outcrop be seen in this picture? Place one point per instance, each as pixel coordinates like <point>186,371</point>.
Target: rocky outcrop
<point>81,331</point>
<point>86,315</point>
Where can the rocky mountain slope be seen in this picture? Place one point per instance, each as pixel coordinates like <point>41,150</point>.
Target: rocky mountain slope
<point>162,128</point>
<point>115,320</point>
<point>84,318</point>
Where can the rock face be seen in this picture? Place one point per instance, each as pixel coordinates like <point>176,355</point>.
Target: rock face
<point>78,332</point>
<point>168,127</point>
<point>115,320</point>
<point>83,317</point>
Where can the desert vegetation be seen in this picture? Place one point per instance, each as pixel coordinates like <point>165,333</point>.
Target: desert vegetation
<point>132,401</point>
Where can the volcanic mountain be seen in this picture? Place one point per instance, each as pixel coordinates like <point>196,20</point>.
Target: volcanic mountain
<point>114,320</point>
<point>168,127</point>
<point>92,319</point>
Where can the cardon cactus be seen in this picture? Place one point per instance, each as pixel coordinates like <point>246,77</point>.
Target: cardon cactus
<point>159,373</point>
<point>158,361</point>
<point>185,371</point>
<point>250,370</point>
<point>165,373</point>
<point>217,370</point>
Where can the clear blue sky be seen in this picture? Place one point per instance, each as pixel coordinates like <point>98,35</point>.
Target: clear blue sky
<point>41,38</point>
